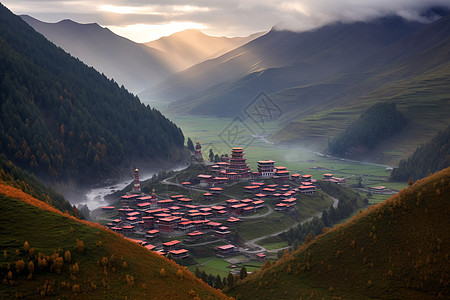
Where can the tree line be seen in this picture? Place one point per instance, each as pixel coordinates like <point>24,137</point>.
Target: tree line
<point>433,156</point>
<point>377,123</point>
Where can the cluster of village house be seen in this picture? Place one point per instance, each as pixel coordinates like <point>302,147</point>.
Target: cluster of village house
<point>154,216</point>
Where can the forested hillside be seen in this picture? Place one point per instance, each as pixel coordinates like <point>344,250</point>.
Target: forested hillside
<point>378,123</point>
<point>395,250</point>
<point>429,158</point>
<point>18,178</point>
<point>74,259</point>
<point>63,120</point>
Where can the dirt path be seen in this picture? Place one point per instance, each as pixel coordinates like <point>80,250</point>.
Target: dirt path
<point>253,243</point>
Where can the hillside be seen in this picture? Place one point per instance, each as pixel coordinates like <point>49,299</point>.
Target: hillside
<point>413,73</point>
<point>431,157</point>
<point>63,121</point>
<point>82,259</point>
<point>278,60</point>
<point>381,121</point>
<point>395,250</point>
<point>20,179</point>
<point>133,65</point>
<point>189,47</point>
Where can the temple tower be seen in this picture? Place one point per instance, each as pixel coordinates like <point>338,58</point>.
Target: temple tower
<point>136,184</point>
<point>198,152</point>
<point>238,163</point>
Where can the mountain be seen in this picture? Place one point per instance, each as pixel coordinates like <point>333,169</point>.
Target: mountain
<point>278,60</point>
<point>133,65</point>
<point>65,122</point>
<point>189,47</point>
<point>395,250</point>
<point>47,253</point>
<point>412,72</point>
<point>433,156</point>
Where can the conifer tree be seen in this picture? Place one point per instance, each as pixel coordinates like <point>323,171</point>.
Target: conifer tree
<point>243,273</point>
<point>230,280</point>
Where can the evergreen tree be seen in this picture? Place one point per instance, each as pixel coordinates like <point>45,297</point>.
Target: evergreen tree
<point>243,273</point>
<point>211,155</point>
<point>230,280</point>
<point>218,284</point>
<point>325,219</point>
<point>190,144</point>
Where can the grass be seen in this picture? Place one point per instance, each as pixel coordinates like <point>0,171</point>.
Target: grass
<point>275,222</point>
<point>383,253</point>
<point>51,232</point>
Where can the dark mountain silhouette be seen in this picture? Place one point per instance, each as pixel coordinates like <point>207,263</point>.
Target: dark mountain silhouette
<point>65,122</point>
<point>131,64</point>
<point>278,60</point>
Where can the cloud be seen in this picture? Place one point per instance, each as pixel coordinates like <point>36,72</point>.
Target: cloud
<point>230,17</point>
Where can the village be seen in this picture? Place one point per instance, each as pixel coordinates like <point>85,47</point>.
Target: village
<point>168,225</point>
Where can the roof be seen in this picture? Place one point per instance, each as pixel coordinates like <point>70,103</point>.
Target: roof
<point>216,189</point>
<point>176,196</point>
<point>171,243</point>
<point>107,207</point>
<point>150,247</point>
<point>129,196</point>
<point>195,233</point>
<point>261,255</point>
<point>180,251</point>
<point>266,162</point>
<point>260,195</point>
<point>237,206</point>
<point>144,204</point>
<point>169,219</point>
<point>145,198</point>
<point>153,231</point>
<point>306,176</point>
<point>226,247</point>
<point>202,176</point>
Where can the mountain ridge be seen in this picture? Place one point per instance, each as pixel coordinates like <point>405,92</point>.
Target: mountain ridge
<point>133,65</point>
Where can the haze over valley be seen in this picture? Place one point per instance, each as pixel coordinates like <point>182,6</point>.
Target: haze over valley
<point>225,150</point>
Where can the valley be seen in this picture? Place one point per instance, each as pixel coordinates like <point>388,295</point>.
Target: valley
<point>300,154</point>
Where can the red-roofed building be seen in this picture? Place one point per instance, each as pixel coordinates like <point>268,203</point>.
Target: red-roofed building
<point>208,196</point>
<point>222,232</point>
<point>226,250</point>
<point>237,209</point>
<point>266,168</point>
<point>295,176</point>
<point>108,209</point>
<point>179,254</point>
<point>216,190</point>
<point>195,234</point>
<point>306,177</point>
<point>258,204</point>
<point>150,247</point>
<point>176,197</point>
<point>168,224</point>
<point>172,245</point>
<point>205,178</point>
<point>307,189</point>
<point>165,203</point>
<point>186,226</point>
<point>261,257</point>
<point>144,205</point>
<point>148,222</point>
<point>252,189</point>
<point>233,220</point>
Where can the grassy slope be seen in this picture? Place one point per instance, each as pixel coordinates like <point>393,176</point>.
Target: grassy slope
<point>395,250</point>
<point>46,230</point>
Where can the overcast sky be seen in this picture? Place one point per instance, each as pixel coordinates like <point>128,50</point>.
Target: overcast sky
<point>146,20</point>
